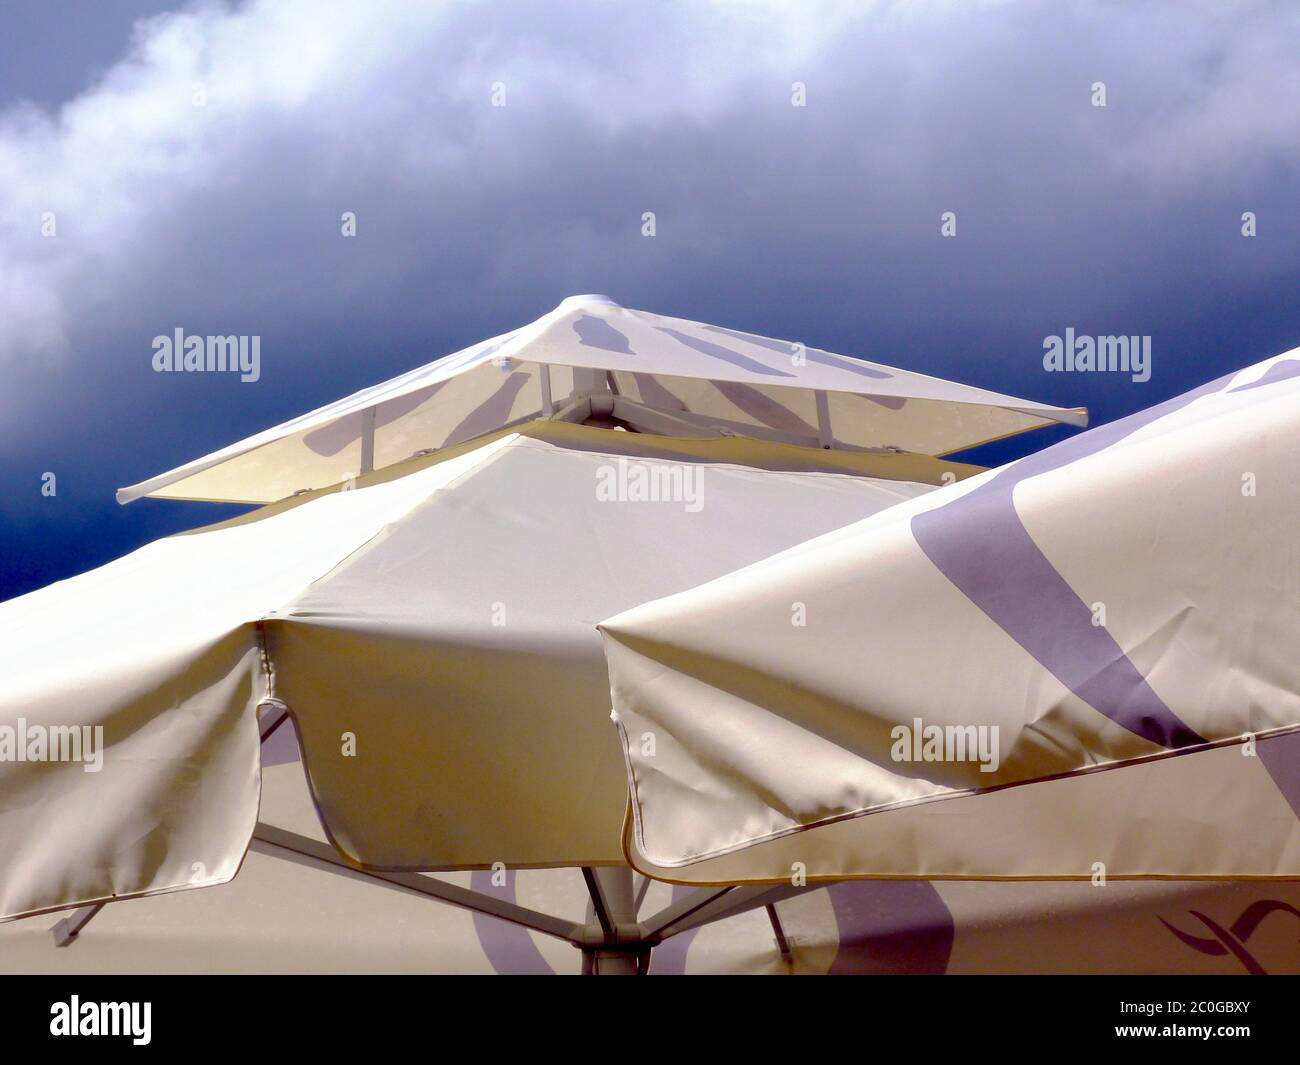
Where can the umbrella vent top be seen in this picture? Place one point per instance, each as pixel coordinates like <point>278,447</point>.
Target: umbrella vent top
<point>570,302</point>
<point>592,360</point>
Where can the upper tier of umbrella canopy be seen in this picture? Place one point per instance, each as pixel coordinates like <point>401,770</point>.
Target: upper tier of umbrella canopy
<point>590,359</point>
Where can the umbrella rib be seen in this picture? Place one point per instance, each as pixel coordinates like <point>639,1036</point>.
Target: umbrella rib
<point>782,943</point>
<point>677,912</point>
<point>709,905</point>
<point>599,902</point>
<point>641,892</point>
<point>281,843</point>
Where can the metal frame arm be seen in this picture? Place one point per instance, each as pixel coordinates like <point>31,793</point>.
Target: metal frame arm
<point>281,843</point>
<point>707,905</point>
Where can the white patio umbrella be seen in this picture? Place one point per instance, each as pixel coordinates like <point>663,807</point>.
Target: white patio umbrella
<point>1081,665</point>
<point>420,595</point>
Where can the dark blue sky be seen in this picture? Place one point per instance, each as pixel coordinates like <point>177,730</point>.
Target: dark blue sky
<point>817,223</point>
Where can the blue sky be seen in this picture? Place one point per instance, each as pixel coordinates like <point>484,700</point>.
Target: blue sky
<point>818,223</point>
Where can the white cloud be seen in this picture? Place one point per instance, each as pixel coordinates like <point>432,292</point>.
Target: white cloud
<point>165,209</point>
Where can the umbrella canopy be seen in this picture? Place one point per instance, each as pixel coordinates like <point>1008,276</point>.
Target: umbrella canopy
<point>432,632</point>
<point>589,357</point>
<point>295,917</point>
<point>1078,665</point>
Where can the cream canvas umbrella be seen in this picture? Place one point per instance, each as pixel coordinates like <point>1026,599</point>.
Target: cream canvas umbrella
<point>420,594</point>
<point>1081,665</point>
